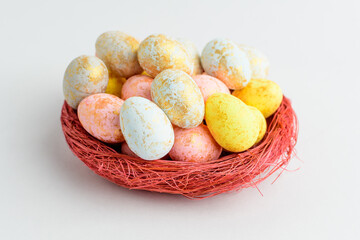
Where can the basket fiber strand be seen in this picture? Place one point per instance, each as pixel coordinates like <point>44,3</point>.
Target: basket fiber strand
<point>232,171</point>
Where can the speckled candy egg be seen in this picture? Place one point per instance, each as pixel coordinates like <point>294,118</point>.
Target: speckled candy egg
<point>138,85</point>
<point>194,145</point>
<point>263,94</point>
<point>85,75</point>
<point>159,52</point>
<point>99,115</point>
<point>209,85</point>
<point>119,52</point>
<point>224,60</point>
<point>177,94</point>
<point>232,124</point>
<point>147,130</point>
<point>115,85</point>
<point>194,55</point>
<point>258,61</point>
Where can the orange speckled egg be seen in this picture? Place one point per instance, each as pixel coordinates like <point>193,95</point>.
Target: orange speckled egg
<point>209,85</point>
<point>194,145</point>
<point>159,52</point>
<point>99,115</point>
<point>138,85</point>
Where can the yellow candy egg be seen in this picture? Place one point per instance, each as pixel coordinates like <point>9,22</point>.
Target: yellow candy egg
<point>85,75</point>
<point>223,59</point>
<point>262,123</point>
<point>159,52</point>
<point>176,93</point>
<point>138,85</point>
<point>119,52</point>
<point>194,55</point>
<point>99,115</point>
<point>115,85</point>
<point>258,61</point>
<point>232,124</point>
<point>263,94</point>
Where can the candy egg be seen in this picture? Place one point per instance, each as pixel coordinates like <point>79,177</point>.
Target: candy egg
<point>258,61</point>
<point>177,94</point>
<point>232,124</point>
<point>159,52</point>
<point>119,52</point>
<point>147,130</point>
<point>194,145</point>
<point>262,123</point>
<point>224,60</point>
<point>115,85</point>
<point>85,75</point>
<point>263,94</point>
<point>138,85</point>
<point>99,115</point>
<point>194,55</point>
<point>209,85</point>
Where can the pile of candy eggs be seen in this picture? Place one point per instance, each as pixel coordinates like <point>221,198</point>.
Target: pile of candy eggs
<point>161,99</point>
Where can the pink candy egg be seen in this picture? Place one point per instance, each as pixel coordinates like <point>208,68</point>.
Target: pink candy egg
<point>138,85</point>
<point>194,145</point>
<point>99,115</point>
<point>209,85</point>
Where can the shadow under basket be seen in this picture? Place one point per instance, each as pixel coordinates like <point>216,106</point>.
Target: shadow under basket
<point>232,171</point>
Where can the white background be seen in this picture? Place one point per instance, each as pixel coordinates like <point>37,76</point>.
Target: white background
<point>47,193</point>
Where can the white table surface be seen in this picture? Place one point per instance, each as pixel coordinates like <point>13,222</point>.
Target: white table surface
<point>47,193</point>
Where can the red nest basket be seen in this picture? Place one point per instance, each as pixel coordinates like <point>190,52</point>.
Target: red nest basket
<point>232,171</point>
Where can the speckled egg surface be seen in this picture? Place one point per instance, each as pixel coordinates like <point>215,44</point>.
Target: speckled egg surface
<point>209,85</point>
<point>194,55</point>
<point>223,59</point>
<point>194,145</point>
<point>138,85</point>
<point>159,52</point>
<point>119,52</point>
<point>258,61</point>
<point>99,115</point>
<point>231,122</point>
<point>147,130</point>
<point>263,94</point>
<point>177,94</point>
<point>84,75</point>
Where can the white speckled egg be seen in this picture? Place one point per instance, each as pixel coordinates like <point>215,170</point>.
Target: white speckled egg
<point>177,94</point>
<point>84,76</point>
<point>147,130</point>
<point>194,55</point>
<point>258,61</point>
<point>223,59</point>
<point>159,52</point>
<point>119,52</point>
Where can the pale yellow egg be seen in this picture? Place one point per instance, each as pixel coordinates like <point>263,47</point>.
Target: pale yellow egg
<point>159,52</point>
<point>177,94</point>
<point>261,121</point>
<point>119,52</point>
